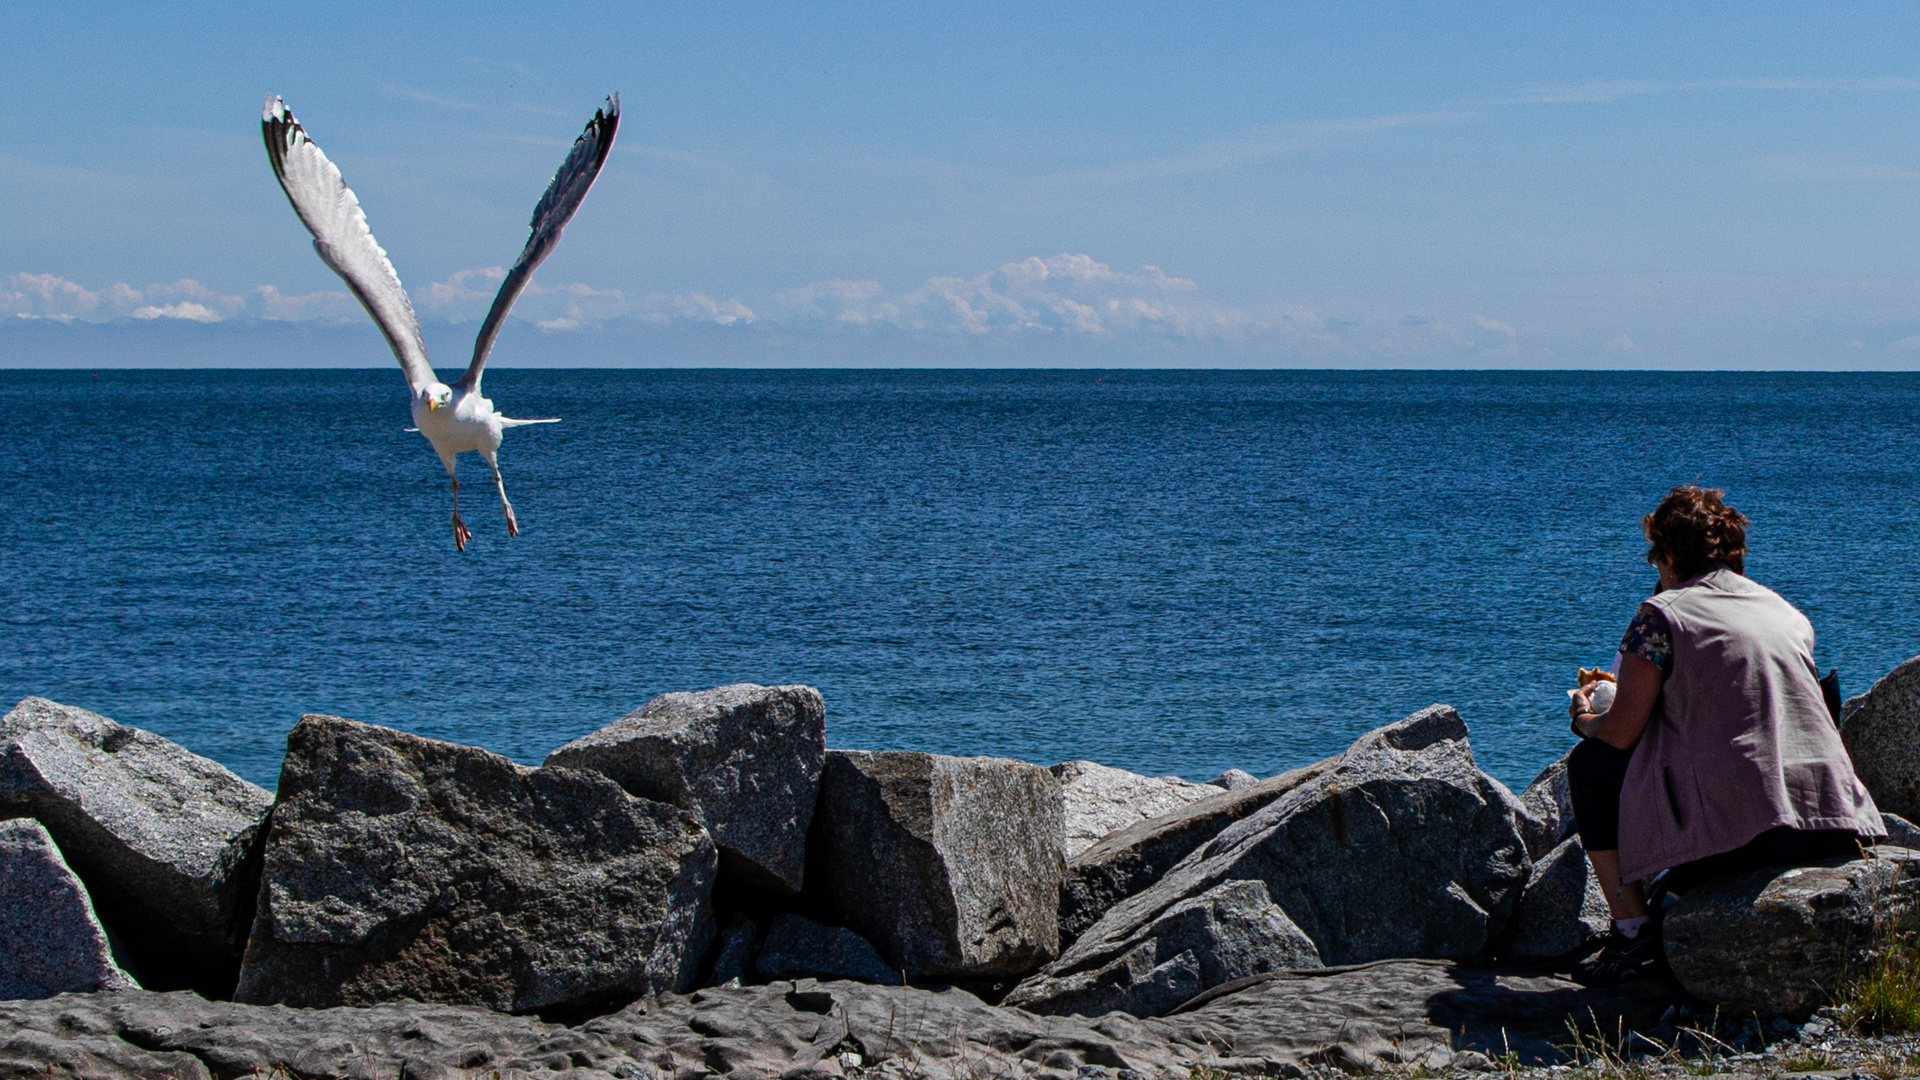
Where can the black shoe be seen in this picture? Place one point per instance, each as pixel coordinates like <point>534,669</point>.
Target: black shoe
<point>1624,959</point>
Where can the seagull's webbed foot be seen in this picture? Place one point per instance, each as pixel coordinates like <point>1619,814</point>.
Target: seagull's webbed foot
<point>513,523</point>
<point>461,534</point>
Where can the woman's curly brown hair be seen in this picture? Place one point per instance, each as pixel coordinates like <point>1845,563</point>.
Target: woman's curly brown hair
<point>1696,528</point>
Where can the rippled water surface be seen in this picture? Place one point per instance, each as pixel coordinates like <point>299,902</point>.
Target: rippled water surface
<point>1167,571</point>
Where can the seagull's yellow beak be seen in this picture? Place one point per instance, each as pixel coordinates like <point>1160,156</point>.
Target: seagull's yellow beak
<point>432,404</point>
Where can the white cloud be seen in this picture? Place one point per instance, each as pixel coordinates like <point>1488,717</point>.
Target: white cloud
<point>190,300</point>
<point>456,298</point>
<point>1906,344</point>
<point>1065,294</point>
<point>467,294</point>
<point>856,303</point>
<point>1074,296</point>
<point>1498,336</point>
<point>1623,344</point>
<point>323,306</point>
<point>49,296</point>
<point>186,309</point>
<point>1060,298</point>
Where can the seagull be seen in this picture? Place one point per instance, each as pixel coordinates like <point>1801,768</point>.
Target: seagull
<point>454,418</point>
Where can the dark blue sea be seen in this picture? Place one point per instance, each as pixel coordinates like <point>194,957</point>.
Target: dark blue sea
<point>1173,572</point>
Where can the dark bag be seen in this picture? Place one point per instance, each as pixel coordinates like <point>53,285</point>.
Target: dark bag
<point>1830,690</point>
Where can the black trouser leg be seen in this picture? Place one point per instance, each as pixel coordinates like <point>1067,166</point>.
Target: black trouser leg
<point>1595,773</point>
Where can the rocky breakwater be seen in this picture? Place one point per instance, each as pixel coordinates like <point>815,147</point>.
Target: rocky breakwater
<point>949,866</point>
<point>1882,733</point>
<point>1778,941</point>
<point>1401,847</point>
<point>658,898</point>
<point>402,867</point>
<point>744,759</point>
<point>166,841</point>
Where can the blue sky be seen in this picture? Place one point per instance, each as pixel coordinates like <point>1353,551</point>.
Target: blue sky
<point>1527,185</point>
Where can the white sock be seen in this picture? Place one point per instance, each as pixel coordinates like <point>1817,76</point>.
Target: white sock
<point>1630,928</point>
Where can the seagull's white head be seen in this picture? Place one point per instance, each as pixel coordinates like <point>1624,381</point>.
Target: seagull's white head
<point>436,395</point>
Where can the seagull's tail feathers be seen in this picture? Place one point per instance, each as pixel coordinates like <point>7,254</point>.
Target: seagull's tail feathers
<point>508,421</point>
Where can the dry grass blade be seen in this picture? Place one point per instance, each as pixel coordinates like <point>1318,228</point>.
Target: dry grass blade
<point>1884,995</point>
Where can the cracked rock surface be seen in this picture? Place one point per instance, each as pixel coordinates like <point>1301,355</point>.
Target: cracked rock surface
<point>950,866</point>
<point>1101,799</point>
<point>1395,1013</point>
<point>1401,847</point>
<point>404,867</point>
<point>50,941</point>
<point>745,759</point>
<point>164,838</point>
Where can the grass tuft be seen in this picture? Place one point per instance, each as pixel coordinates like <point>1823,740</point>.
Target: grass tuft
<point>1884,995</point>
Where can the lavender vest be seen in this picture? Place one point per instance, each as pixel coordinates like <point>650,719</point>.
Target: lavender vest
<point>1741,741</point>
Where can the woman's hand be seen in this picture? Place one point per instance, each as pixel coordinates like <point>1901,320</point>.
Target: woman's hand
<point>1578,704</point>
<point>1633,702</point>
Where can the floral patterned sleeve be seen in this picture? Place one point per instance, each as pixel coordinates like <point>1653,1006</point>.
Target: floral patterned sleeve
<point>1650,638</point>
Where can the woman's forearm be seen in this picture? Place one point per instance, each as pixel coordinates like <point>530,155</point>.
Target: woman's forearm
<point>1633,704</point>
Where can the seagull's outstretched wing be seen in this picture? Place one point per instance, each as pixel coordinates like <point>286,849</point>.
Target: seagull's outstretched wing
<point>332,214</point>
<point>556,208</point>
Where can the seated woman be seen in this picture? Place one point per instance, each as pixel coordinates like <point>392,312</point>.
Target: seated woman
<point>1718,755</point>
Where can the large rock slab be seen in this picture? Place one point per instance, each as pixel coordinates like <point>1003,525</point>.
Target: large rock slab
<point>1561,909</point>
<point>50,941</point>
<point>1229,932</point>
<point>185,1037</point>
<point>950,866</point>
<point>1125,862</point>
<point>1547,810</point>
<point>1234,780</point>
<point>798,947</point>
<point>1402,847</point>
<point>1395,1015</point>
<point>402,867</point>
<point>1900,832</point>
<point>165,840</point>
<point>1100,799</point>
<point>1415,1014</point>
<point>1882,735</point>
<point>745,759</point>
<point>1778,941</point>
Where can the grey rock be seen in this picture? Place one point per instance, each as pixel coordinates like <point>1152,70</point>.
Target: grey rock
<point>1561,909</point>
<point>1547,810</point>
<point>1229,932</point>
<point>404,867</point>
<point>165,840</point>
<point>1234,780</point>
<point>1900,832</point>
<point>50,941</point>
<point>733,959</point>
<point>744,758</point>
<point>1125,862</point>
<point>1402,848</point>
<point>797,947</point>
<point>182,1035</point>
<point>949,866</point>
<point>1397,1013</point>
<point>1777,941</point>
<point>1100,799</point>
<point>1882,735</point>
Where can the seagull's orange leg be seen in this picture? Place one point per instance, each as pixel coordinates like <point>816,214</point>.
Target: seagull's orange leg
<point>513,523</point>
<point>461,534</point>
